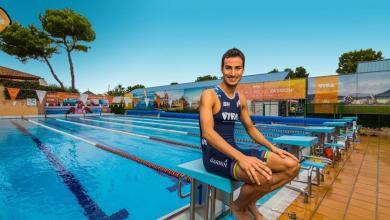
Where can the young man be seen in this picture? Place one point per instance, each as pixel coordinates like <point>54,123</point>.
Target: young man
<point>262,171</point>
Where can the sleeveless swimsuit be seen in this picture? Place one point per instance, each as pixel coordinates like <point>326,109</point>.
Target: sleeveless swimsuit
<point>224,122</point>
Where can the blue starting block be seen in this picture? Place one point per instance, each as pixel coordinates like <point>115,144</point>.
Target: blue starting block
<point>203,184</point>
<point>323,133</point>
<point>352,117</point>
<point>295,145</point>
<point>335,123</point>
<point>196,170</point>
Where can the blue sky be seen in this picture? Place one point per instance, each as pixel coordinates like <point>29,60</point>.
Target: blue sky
<point>155,43</point>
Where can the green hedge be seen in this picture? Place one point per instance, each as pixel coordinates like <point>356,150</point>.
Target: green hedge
<point>118,109</point>
<point>27,89</point>
<point>353,109</point>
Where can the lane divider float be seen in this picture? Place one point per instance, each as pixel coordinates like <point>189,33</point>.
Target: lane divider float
<point>131,134</point>
<point>116,152</point>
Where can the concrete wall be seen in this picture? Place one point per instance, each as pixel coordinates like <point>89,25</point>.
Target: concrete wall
<point>7,107</point>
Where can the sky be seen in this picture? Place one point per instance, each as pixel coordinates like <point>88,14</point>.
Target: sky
<point>154,43</point>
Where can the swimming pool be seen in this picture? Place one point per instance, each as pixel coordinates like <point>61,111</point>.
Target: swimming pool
<point>94,167</point>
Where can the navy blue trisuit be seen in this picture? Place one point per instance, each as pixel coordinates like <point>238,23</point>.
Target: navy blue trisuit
<point>224,122</point>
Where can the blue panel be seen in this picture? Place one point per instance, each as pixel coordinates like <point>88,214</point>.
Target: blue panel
<point>302,141</point>
<point>196,170</point>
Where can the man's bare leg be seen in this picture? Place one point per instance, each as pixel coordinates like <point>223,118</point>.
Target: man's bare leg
<point>245,198</point>
<point>284,170</point>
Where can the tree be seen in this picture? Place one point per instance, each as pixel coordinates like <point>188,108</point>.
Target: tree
<point>205,78</point>
<point>119,90</point>
<point>348,61</point>
<point>137,86</point>
<point>274,70</point>
<point>174,83</point>
<point>68,28</point>
<point>289,71</point>
<point>300,72</point>
<point>28,43</point>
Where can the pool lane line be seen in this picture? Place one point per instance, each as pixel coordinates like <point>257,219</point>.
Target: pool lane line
<point>152,128</point>
<point>131,134</point>
<point>160,129</point>
<point>156,123</point>
<point>136,126</point>
<point>157,120</point>
<point>56,125</point>
<point>145,127</point>
<point>88,136</point>
<point>116,152</point>
<point>161,118</point>
<point>91,208</point>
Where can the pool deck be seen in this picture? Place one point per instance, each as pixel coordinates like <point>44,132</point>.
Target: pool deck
<point>357,188</point>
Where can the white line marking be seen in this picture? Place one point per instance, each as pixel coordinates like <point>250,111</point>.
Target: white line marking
<point>137,126</point>
<point>106,129</point>
<point>155,123</point>
<point>159,120</point>
<point>61,132</point>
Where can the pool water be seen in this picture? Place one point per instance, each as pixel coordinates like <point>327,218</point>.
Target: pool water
<point>45,174</point>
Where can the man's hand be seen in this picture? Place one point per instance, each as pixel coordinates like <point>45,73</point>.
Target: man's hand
<point>283,154</point>
<point>251,165</point>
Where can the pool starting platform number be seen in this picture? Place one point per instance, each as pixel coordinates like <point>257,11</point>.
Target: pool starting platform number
<point>4,19</point>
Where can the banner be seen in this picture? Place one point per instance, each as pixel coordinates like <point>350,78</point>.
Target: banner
<point>284,90</point>
<point>13,93</point>
<point>192,97</point>
<point>4,19</point>
<point>117,99</point>
<point>277,90</point>
<point>109,99</point>
<point>41,95</point>
<point>326,89</point>
<point>51,99</point>
<point>128,99</point>
<point>84,98</point>
<point>65,95</point>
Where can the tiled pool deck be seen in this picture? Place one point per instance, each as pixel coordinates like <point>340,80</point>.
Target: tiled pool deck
<point>357,188</point>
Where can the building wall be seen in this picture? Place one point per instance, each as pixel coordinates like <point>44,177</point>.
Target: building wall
<point>7,107</point>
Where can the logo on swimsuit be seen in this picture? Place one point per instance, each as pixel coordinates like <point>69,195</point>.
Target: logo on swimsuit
<point>204,142</point>
<point>230,116</point>
<point>219,163</point>
<point>238,103</point>
<point>226,104</point>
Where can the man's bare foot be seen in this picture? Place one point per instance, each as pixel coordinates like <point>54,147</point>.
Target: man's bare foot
<point>240,214</point>
<point>255,212</point>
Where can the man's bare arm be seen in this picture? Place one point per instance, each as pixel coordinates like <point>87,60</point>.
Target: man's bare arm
<point>207,101</point>
<point>251,129</point>
<point>255,134</point>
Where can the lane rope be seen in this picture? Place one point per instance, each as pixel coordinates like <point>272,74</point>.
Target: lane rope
<point>116,151</point>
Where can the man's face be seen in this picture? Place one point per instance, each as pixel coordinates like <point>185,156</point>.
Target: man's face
<point>232,70</point>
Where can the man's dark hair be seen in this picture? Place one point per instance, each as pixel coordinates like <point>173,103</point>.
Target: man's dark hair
<point>234,52</point>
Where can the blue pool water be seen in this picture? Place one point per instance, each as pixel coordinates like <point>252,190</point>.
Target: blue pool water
<point>47,175</point>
